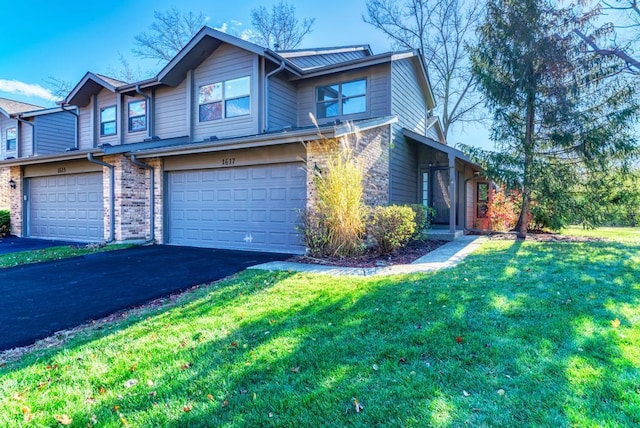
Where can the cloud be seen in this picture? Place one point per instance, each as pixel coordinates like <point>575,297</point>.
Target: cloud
<point>27,89</point>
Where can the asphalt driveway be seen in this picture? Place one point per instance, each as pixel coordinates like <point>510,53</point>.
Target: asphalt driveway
<point>39,299</point>
<point>11,244</point>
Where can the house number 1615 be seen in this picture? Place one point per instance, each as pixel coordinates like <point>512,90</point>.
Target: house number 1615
<point>228,161</point>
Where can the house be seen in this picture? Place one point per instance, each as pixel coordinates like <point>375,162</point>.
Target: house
<point>212,150</point>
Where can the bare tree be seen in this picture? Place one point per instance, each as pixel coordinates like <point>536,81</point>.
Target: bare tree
<point>60,88</point>
<point>168,34</point>
<point>627,21</point>
<point>279,28</point>
<point>440,29</point>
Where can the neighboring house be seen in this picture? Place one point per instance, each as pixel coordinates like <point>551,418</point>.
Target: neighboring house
<point>14,134</point>
<point>212,151</point>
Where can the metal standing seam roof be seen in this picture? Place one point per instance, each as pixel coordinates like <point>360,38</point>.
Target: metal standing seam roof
<point>308,62</point>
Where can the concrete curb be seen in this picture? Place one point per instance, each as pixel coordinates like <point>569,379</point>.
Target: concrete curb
<point>448,255</point>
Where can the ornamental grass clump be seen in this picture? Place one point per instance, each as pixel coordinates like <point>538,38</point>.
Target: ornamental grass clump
<point>340,206</point>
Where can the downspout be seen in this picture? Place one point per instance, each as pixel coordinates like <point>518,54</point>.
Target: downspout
<point>112,196</point>
<point>266,94</point>
<point>149,114</point>
<point>33,137</point>
<point>152,205</point>
<point>76,143</point>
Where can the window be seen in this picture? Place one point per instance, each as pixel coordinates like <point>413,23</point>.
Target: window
<point>12,139</point>
<point>137,116</point>
<point>230,98</point>
<point>482,200</point>
<point>108,121</point>
<point>425,188</point>
<point>342,99</point>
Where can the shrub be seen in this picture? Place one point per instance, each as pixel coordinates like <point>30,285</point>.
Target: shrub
<point>423,217</point>
<point>5,226</point>
<point>392,227</point>
<point>502,210</point>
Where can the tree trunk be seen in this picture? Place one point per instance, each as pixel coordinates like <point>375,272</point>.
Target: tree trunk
<point>525,212</point>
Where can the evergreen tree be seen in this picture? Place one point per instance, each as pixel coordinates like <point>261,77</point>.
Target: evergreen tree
<point>559,110</point>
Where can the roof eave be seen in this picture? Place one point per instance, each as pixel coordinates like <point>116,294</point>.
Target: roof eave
<point>35,160</point>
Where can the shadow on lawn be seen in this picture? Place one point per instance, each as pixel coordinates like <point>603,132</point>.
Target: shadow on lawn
<point>517,335</point>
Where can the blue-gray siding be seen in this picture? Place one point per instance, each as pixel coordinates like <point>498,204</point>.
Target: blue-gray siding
<point>54,133</point>
<point>409,103</point>
<point>282,104</point>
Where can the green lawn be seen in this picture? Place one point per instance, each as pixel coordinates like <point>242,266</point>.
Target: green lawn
<point>54,253</point>
<point>624,234</point>
<point>519,334</point>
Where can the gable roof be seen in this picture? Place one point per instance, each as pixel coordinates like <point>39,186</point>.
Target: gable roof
<point>198,49</point>
<point>9,107</point>
<point>89,85</point>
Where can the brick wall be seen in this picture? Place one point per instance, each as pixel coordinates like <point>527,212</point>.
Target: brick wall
<point>371,147</point>
<point>5,190</point>
<point>16,204</point>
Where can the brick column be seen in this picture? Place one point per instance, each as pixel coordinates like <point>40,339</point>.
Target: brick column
<point>16,200</point>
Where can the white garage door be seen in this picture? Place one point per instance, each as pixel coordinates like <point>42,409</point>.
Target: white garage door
<point>67,207</point>
<point>249,208</point>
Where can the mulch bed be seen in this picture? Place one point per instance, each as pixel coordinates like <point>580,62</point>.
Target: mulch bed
<point>413,251</point>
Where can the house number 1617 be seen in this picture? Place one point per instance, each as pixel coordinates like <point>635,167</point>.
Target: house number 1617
<point>228,161</point>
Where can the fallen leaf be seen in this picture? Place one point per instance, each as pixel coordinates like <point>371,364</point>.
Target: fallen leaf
<point>615,323</point>
<point>124,421</point>
<point>133,367</point>
<point>209,397</point>
<point>501,391</point>
<point>234,344</point>
<point>418,326</point>
<point>459,339</point>
<point>402,360</point>
<point>187,408</point>
<point>185,366</point>
<point>357,405</point>
<point>270,414</point>
<point>90,400</point>
<point>116,408</point>
<point>465,393</point>
<point>150,383</point>
<point>375,367</point>
<point>225,403</point>
<point>130,383</point>
<point>153,394</point>
<point>295,369</point>
<point>103,391</point>
<point>63,419</point>
<point>27,415</point>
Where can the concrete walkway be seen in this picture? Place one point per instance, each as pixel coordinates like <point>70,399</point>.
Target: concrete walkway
<point>446,256</point>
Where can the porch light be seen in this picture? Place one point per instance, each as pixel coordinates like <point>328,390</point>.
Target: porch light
<point>12,184</point>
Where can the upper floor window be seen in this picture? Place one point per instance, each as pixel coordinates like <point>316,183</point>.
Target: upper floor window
<point>342,99</point>
<point>12,139</point>
<point>230,98</point>
<point>137,116</point>
<point>108,121</point>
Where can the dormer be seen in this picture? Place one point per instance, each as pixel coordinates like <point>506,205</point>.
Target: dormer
<point>99,110</point>
<point>16,134</point>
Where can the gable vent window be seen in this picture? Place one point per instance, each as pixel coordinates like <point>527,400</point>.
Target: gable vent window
<point>342,99</point>
<point>12,139</point>
<point>230,98</point>
<point>108,121</point>
<point>137,116</point>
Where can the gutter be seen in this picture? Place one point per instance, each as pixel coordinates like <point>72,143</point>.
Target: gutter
<point>152,198</point>
<point>112,196</point>
<point>266,94</point>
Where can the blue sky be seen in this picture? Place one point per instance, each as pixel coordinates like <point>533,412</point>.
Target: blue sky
<point>43,38</point>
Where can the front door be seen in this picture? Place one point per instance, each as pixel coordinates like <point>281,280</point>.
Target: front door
<point>440,200</point>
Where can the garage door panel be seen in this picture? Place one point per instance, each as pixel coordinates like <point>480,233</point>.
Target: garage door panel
<point>255,208</point>
<point>66,207</point>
